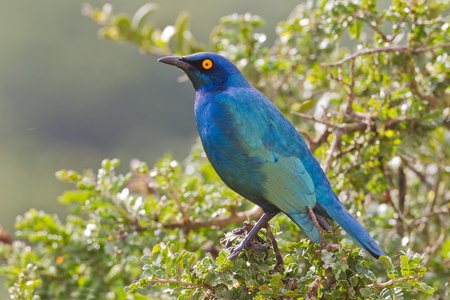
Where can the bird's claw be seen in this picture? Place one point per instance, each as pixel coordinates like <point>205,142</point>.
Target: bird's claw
<point>333,246</point>
<point>235,251</point>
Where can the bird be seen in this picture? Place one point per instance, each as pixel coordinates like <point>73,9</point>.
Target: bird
<point>259,154</point>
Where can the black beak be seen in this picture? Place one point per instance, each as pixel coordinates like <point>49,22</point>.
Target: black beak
<point>176,61</point>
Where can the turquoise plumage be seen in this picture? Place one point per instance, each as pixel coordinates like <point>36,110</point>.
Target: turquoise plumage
<point>259,154</point>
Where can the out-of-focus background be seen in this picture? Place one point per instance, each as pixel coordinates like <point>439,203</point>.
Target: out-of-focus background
<point>69,99</point>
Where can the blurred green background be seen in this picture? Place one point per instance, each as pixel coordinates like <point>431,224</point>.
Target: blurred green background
<point>69,99</point>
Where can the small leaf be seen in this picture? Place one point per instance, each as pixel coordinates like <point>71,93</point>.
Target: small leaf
<point>146,259</point>
<point>156,248</point>
<point>387,260</point>
<point>366,292</point>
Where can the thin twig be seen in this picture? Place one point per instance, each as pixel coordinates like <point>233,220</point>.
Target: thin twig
<point>436,189</point>
<point>312,118</point>
<point>391,188</point>
<point>334,147</point>
<point>421,176</point>
<point>188,284</point>
<point>254,214</point>
<point>280,83</point>
<point>349,127</point>
<point>386,49</point>
<point>390,282</point>
<point>323,244</point>
<point>306,135</point>
<point>319,140</point>
<point>351,85</point>
<point>430,214</point>
<point>313,290</point>
<point>279,267</point>
<point>174,195</point>
<point>431,249</point>
<point>381,33</point>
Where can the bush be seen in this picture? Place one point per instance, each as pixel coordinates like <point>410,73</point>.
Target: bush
<point>377,119</point>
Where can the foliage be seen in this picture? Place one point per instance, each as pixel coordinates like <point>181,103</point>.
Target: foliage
<point>376,117</point>
<point>343,274</point>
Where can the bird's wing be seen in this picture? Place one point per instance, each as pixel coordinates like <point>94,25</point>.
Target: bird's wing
<point>278,147</point>
<point>289,187</point>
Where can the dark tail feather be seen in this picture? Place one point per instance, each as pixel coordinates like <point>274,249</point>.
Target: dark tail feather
<point>341,215</point>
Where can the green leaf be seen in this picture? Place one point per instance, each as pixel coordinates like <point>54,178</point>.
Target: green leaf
<point>366,292</point>
<point>387,260</point>
<point>156,248</point>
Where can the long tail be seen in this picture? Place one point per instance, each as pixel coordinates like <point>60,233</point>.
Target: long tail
<point>341,215</point>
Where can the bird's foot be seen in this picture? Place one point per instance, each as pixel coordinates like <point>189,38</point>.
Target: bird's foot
<point>333,246</point>
<point>235,251</point>
<point>247,244</point>
<point>252,235</point>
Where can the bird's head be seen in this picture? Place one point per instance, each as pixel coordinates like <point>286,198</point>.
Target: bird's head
<point>206,70</point>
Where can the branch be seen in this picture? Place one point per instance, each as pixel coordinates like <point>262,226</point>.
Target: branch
<point>430,214</point>
<point>431,249</point>
<point>183,208</point>
<point>334,147</point>
<point>385,38</point>
<point>189,284</point>
<point>390,282</point>
<point>323,243</point>
<point>254,213</point>
<point>391,188</point>
<point>312,118</point>
<point>279,267</point>
<point>420,175</point>
<point>346,127</point>
<point>401,189</point>
<point>314,144</point>
<point>313,290</point>
<point>281,82</point>
<point>386,49</point>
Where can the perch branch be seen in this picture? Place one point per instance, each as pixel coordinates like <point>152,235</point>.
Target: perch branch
<point>390,282</point>
<point>188,284</point>
<point>239,217</point>
<point>334,147</point>
<point>279,267</point>
<point>323,243</point>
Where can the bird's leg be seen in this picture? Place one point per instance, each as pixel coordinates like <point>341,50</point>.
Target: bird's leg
<point>323,244</point>
<point>257,238</point>
<point>246,243</point>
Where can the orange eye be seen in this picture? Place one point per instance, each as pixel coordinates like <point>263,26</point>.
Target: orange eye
<point>207,64</point>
